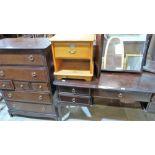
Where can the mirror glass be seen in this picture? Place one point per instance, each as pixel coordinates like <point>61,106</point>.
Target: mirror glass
<point>123,52</point>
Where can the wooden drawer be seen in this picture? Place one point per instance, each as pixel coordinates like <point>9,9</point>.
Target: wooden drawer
<point>28,97</point>
<point>40,86</point>
<point>72,50</point>
<point>74,90</point>
<point>30,107</point>
<point>22,59</point>
<point>75,99</point>
<point>6,84</point>
<point>24,73</point>
<point>21,85</point>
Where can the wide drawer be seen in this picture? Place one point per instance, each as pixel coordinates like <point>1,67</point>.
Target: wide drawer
<point>74,90</point>
<point>21,85</point>
<point>24,96</point>
<point>72,50</point>
<point>123,96</point>
<point>75,99</point>
<point>24,73</point>
<point>6,84</point>
<point>22,59</point>
<point>40,86</point>
<point>30,107</point>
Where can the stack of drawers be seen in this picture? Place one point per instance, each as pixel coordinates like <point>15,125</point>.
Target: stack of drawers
<point>25,81</point>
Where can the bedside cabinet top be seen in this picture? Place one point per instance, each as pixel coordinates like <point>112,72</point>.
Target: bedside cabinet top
<point>68,38</point>
<point>24,43</point>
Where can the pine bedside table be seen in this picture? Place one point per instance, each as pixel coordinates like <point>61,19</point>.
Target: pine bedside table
<point>73,56</point>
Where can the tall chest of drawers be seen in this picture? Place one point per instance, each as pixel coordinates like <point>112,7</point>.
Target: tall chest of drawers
<point>26,77</point>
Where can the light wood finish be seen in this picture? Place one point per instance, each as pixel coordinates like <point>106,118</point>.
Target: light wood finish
<point>67,51</point>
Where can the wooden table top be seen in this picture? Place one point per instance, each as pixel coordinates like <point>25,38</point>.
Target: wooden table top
<point>144,82</point>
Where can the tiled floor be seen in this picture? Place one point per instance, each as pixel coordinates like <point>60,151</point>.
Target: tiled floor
<point>95,113</point>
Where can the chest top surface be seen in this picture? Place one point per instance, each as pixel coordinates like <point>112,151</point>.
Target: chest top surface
<point>24,43</point>
<point>75,38</point>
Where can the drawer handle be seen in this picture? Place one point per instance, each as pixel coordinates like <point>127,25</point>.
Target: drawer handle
<point>40,86</point>
<point>9,95</point>
<point>73,100</point>
<point>40,98</point>
<point>2,73</point>
<point>72,51</point>
<point>3,85</point>
<point>31,58</point>
<point>73,90</point>
<point>21,86</point>
<point>34,74</point>
<point>120,95</point>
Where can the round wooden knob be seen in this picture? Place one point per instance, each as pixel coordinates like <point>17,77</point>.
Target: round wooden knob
<point>73,90</point>
<point>73,100</point>
<point>21,86</point>
<point>2,73</point>
<point>31,58</point>
<point>40,86</point>
<point>40,98</point>
<point>9,95</point>
<point>34,74</point>
<point>3,85</point>
<point>120,95</point>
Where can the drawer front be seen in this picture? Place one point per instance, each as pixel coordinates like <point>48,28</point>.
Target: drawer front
<point>40,86</point>
<point>21,85</point>
<point>72,50</point>
<point>6,84</point>
<point>22,59</point>
<point>28,97</point>
<point>30,107</point>
<point>75,100</point>
<point>24,73</point>
<point>74,90</point>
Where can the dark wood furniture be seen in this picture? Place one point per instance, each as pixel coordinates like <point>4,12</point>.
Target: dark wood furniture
<point>128,88</point>
<point>26,77</point>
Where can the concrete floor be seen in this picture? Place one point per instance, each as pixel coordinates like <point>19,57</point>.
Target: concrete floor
<point>95,113</point>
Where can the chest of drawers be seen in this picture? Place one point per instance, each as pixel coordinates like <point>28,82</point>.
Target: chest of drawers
<point>26,77</point>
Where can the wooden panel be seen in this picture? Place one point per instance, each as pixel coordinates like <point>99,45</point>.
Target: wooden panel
<point>6,84</point>
<point>40,86</point>
<point>75,99</point>
<point>74,90</point>
<point>30,107</point>
<point>24,73</point>
<point>22,85</point>
<point>24,96</point>
<point>72,50</point>
<point>22,59</point>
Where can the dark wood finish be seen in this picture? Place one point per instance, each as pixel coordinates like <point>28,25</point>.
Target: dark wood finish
<point>6,85</point>
<point>27,63</point>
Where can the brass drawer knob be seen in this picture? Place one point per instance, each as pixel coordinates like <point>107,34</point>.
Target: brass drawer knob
<point>34,74</point>
<point>120,95</point>
<point>31,58</point>
<point>9,95</point>
<point>3,85</point>
<point>72,51</point>
<point>73,100</point>
<point>73,90</point>
<point>40,86</point>
<point>2,73</point>
<point>21,86</point>
<point>40,98</point>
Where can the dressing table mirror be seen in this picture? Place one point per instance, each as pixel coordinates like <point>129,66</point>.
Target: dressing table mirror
<point>123,52</point>
<point>150,56</point>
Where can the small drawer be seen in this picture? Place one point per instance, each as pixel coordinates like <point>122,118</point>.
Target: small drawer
<point>6,84</point>
<point>74,90</point>
<point>24,96</point>
<point>72,50</point>
<point>30,107</point>
<point>24,73</point>
<point>22,59</point>
<point>40,86</point>
<point>75,99</point>
<point>21,85</point>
